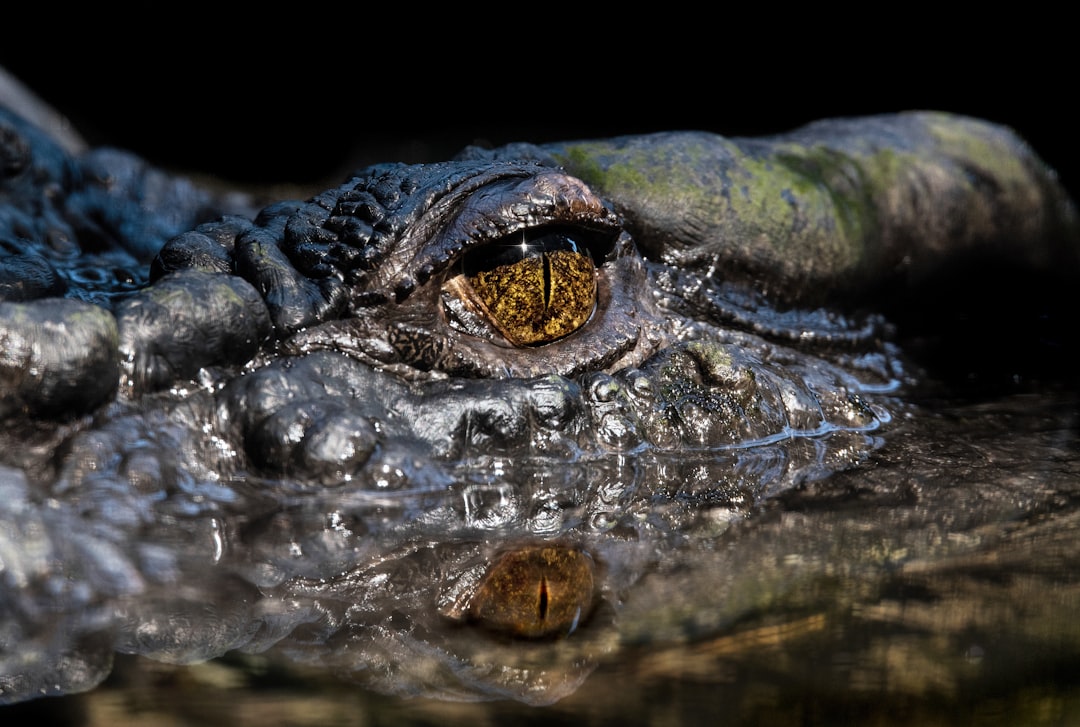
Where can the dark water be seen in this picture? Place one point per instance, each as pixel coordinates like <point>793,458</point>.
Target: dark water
<point>936,583</point>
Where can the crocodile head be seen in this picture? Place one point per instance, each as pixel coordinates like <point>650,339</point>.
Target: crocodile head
<point>432,427</point>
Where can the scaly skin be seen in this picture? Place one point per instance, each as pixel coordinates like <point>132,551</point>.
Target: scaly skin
<point>293,415</point>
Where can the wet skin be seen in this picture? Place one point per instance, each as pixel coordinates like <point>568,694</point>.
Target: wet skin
<point>484,396</point>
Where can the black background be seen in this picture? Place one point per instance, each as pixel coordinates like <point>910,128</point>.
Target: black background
<point>316,96</point>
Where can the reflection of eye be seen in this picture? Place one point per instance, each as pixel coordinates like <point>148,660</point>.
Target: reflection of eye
<point>536,591</point>
<point>533,291</point>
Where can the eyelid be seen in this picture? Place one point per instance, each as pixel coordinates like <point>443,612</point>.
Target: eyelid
<point>396,315</point>
<point>499,210</point>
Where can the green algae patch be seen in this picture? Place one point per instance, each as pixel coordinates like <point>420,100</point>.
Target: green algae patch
<point>836,189</point>
<point>811,229</point>
<point>693,198</point>
<point>837,207</point>
<point>581,161</point>
<point>715,358</point>
<point>632,172</point>
<point>981,146</point>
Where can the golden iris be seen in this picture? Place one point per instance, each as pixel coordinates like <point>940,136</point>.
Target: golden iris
<point>536,591</point>
<point>536,291</point>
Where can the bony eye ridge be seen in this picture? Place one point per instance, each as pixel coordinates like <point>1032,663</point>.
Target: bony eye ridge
<point>533,289</point>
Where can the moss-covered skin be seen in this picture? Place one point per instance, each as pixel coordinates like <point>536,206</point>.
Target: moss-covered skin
<point>836,207</point>
<point>297,430</point>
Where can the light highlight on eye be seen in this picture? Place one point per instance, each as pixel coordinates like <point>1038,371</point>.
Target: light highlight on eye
<point>534,291</point>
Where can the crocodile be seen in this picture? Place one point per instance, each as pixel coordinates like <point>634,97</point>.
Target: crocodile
<point>462,428</point>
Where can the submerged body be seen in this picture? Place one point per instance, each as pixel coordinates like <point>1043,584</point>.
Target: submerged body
<point>460,429</point>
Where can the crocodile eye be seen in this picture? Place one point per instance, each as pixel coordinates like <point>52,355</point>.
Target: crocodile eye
<point>470,268</point>
<point>534,290</point>
<point>535,592</point>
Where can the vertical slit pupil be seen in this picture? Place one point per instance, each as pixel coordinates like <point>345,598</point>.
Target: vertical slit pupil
<point>542,605</point>
<point>533,291</point>
<point>547,280</point>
